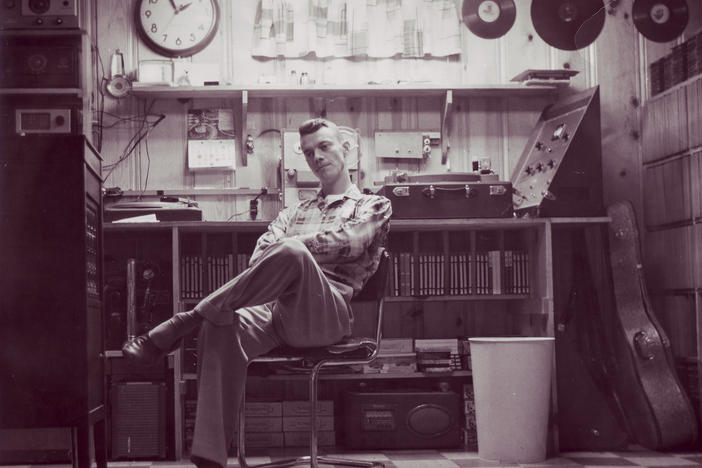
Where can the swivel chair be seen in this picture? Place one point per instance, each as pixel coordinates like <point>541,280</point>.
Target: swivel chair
<point>351,350</point>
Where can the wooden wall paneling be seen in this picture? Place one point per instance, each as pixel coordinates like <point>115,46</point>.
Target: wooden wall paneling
<point>616,50</point>
<point>354,112</point>
<point>265,118</point>
<point>522,115</point>
<point>676,313</point>
<point>652,128</point>
<point>694,112</point>
<point>667,192</point>
<point>693,254</point>
<point>521,48</point>
<point>482,132</point>
<point>668,263</point>
<point>113,28</point>
<point>395,114</point>
<point>167,149</point>
<point>696,185</point>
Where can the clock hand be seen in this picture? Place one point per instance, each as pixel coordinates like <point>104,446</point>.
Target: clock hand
<point>175,8</point>
<point>183,7</point>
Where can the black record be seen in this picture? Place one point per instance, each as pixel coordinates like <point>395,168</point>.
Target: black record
<point>660,20</point>
<point>489,19</point>
<point>568,24</point>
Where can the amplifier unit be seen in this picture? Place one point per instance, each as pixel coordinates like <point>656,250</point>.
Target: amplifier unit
<point>39,14</point>
<point>40,115</point>
<point>40,61</point>
<point>397,419</point>
<point>138,411</point>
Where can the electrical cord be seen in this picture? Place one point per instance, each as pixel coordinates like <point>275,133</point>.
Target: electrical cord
<point>253,206</point>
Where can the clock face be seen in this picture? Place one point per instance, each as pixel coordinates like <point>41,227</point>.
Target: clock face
<point>177,28</point>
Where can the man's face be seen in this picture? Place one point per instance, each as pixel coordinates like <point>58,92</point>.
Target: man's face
<point>325,154</point>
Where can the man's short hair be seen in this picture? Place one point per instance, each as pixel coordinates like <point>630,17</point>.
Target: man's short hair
<point>312,125</point>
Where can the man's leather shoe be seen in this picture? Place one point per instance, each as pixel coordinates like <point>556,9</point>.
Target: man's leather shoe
<point>143,352</point>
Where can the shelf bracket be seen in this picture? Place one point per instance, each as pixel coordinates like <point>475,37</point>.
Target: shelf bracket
<point>446,118</point>
<point>244,127</point>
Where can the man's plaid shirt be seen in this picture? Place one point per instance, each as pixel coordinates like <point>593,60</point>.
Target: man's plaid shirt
<point>344,236</point>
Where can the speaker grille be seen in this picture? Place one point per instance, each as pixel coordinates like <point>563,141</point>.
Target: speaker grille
<point>138,420</point>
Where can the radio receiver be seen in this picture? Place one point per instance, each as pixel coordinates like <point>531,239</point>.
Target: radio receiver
<point>39,14</point>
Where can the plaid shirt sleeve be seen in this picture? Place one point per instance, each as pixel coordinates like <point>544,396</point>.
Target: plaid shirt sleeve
<point>276,230</point>
<point>349,240</point>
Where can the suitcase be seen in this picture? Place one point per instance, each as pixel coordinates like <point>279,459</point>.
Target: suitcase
<point>658,411</point>
<point>416,200</point>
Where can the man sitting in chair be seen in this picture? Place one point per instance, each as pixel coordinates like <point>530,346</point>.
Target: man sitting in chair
<point>302,275</point>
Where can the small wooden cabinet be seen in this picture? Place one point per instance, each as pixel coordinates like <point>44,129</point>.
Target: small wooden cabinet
<point>453,290</point>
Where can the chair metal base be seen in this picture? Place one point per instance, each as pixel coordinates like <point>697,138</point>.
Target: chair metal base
<point>307,460</point>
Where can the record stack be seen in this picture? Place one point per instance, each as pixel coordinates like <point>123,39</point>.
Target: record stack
<point>656,76</point>
<point>677,70</point>
<point>693,52</point>
<point>683,63</point>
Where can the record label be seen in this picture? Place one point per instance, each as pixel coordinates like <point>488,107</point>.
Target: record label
<point>489,19</point>
<point>660,20</point>
<point>568,24</point>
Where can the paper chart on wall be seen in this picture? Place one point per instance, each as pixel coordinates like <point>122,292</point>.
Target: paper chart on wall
<point>211,139</point>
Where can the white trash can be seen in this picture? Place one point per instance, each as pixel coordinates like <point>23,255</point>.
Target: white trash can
<point>512,383</point>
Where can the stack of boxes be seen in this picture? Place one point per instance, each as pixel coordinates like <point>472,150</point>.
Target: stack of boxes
<point>297,425</point>
<point>286,424</point>
<point>264,424</point>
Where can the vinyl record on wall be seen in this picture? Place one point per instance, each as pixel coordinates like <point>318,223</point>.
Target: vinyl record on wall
<point>568,24</point>
<point>489,19</point>
<point>660,20</point>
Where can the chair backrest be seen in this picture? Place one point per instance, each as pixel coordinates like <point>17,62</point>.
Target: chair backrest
<point>375,287</point>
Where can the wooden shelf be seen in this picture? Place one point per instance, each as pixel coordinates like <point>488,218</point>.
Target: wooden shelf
<point>462,298</point>
<point>324,91</point>
<point>350,376</point>
<point>395,224</point>
<point>41,92</point>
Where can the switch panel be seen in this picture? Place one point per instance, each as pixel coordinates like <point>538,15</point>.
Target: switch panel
<point>405,145</point>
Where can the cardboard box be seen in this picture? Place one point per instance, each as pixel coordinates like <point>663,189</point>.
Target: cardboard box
<point>302,408</point>
<point>260,409</point>
<point>302,423</point>
<point>302,439</point>
<point>267,424</point>
<point>396,345</point>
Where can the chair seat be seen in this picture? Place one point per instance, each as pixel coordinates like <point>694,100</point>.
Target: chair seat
<point>348,348</point>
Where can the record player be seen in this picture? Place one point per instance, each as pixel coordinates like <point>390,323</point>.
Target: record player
<point>448,195</point>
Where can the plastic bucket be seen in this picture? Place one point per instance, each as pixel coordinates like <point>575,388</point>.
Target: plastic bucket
<point>512,383</point>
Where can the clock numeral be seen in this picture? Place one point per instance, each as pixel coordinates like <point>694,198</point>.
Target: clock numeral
<point>192,37</point>
<point>201,27</point>
<point>147,13</point>
<point>178,42</point>
<point>154,28</point>
<point>165,37</point>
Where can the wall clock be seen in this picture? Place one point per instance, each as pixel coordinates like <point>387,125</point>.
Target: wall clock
<point>177,28</point>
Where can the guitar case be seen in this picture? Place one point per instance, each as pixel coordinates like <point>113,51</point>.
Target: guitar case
<point>657,410</point>
<point>589,413</point>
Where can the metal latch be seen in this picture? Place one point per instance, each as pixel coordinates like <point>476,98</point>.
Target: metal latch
<point>496,190</point>
<point>401,191</point>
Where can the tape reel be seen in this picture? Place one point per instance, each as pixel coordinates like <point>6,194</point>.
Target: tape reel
<point>489,19</point>
<point>568,24</point>
<point>660,20</point>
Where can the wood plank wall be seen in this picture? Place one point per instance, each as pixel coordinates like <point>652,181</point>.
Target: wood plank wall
<point>486,127</point>
<point>671,133</point>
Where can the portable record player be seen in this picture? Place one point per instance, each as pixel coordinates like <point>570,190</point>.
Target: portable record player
<point>447,195</point>
<point>167,209</point>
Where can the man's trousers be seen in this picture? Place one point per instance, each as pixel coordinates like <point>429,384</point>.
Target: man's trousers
<point>284,298</point>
